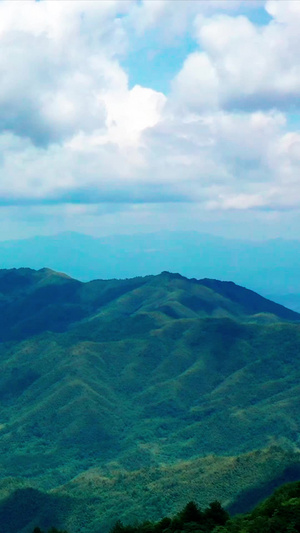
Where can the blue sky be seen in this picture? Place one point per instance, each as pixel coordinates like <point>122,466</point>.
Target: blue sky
<point>141,115</point>
<point>151,65</point>
<point>153,61</point>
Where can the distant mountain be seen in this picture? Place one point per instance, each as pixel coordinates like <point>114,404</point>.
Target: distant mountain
<point>122,376</point>
<point>270,267</point>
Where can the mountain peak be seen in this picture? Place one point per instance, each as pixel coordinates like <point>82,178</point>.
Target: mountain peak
<point>171,275</point>
<point>138,373</point>
<point>34,301</point>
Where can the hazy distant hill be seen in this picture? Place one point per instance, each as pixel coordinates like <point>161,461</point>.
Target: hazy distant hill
<point>150,372</point>
<point>270,267</point>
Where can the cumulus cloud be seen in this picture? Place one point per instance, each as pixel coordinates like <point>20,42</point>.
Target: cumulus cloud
<point>242,65</point>
<point>57,61</point>
<point>174,19</point>
<point>72,130</point>
<point>227,160</point>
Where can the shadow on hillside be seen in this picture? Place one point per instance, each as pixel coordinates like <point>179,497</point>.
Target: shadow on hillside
<point>248,499</point>
<point>30,506</point>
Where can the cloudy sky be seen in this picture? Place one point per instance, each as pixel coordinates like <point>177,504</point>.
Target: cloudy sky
<point>140,115</point>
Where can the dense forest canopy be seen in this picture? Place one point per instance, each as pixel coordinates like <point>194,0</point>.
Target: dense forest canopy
<point>119,390</point>
<point>280,513</point>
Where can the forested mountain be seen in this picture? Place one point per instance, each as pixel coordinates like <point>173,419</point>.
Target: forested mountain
<point>34,301</point>
<point>280,512</point>
<point>148,391</point>
<point>270,267</point>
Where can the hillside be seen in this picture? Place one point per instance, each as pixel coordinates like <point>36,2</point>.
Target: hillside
<point>280,512</point>
<point>32,302</point>
<point>96,499</point>
<point>270,267</point>
<point>112,380</point>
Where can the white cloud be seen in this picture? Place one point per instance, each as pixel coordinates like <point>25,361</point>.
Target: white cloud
<point>57,59</point>
<point>130,112</point>
<point>244,66</point>
<point>224,160</point>
<point>287,12</point>
<point>173,19</point>
<point>196,87</point>
<point>73,131</point>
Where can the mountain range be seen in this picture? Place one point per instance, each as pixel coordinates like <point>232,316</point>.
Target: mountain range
<point>140,394</point>
<point>270,267</point>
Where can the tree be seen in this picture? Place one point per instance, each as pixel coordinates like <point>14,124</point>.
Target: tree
<point>191,513</point>
<point>216,514</point>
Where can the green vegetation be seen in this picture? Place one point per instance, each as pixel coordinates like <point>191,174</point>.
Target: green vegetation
<point>279,513</point>
<point>95,499</point>
<point>190,518</point>
<point>143,392</point>
<point>33,302</point>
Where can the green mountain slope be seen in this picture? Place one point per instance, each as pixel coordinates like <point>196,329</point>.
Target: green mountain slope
<point>32,302</point>
<point>146,373</point>
<point>94,500</point>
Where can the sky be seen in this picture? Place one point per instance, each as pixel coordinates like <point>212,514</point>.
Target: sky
<point>125,116</point>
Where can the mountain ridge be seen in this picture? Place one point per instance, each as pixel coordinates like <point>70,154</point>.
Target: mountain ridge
<point>269,267</point>
<point>46,290</point>
<point>145,374</point>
